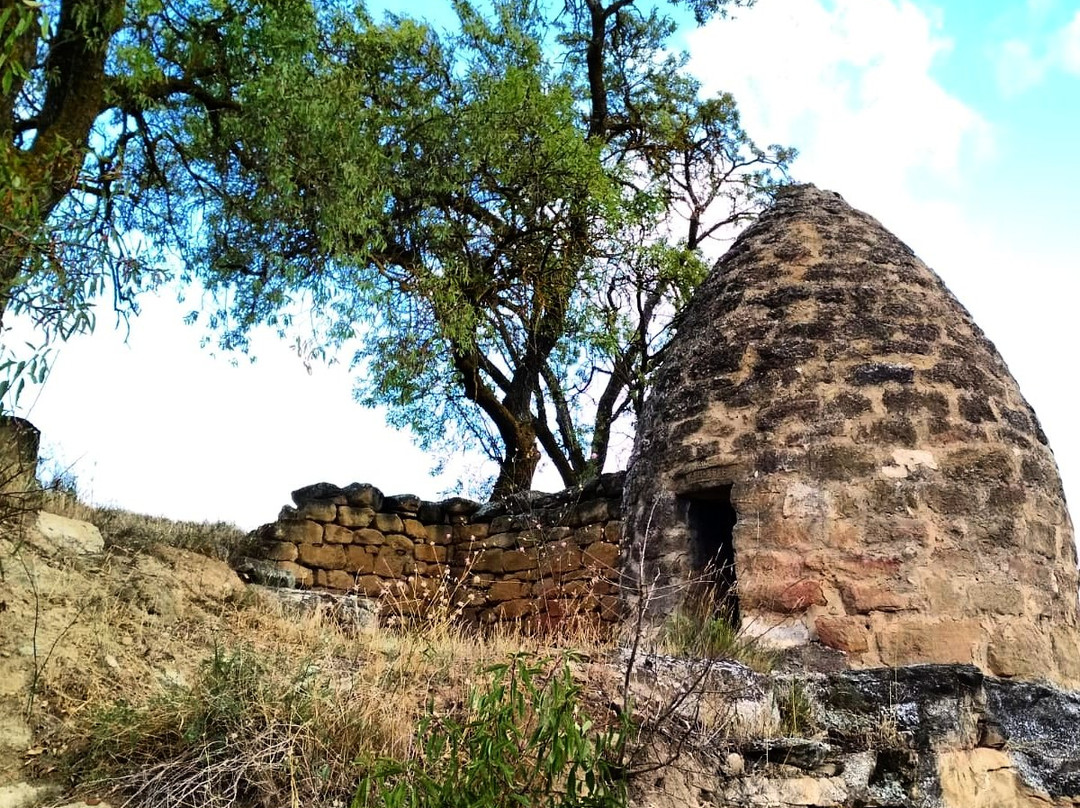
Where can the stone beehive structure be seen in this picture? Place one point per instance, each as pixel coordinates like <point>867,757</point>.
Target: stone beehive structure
<point>838,450</point>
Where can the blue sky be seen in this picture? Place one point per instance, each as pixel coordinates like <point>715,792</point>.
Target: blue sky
<point>953,123</point>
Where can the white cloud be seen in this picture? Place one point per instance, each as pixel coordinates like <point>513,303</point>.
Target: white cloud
<point>1067,46</point>
<point>849,83</point>
<point>1018,68</point>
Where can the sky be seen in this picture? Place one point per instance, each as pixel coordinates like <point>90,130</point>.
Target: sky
<point>954,123</point>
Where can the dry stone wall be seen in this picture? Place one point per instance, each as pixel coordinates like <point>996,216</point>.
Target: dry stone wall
<point>536,558</point>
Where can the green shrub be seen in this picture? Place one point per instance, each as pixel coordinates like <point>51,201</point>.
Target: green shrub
<point>524,741</point>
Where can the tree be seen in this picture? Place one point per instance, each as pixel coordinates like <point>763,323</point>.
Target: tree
<point>506,217</point>
<point>92,96</point>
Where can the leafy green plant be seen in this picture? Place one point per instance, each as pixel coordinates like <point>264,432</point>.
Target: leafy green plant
<point>523,741</point>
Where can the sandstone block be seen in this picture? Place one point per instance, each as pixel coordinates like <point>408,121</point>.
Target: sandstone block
<point>440,534</point>
<point>514,609</point>
<point>587,513</point>
<point>280,551</point>
<point>613,532</point>
<point>546,588</point>
<point>359,560</point>
<point>318,491</point>
<point>589,534</point>
<point>472,532</point>
<point>488,561</point>
<point>362,495</point>
<point>352,516</point>
<point>560,558</point>
<point>610,608</point>
<point>302,575</point>
<point>402,503</point>
<point>301,532</point>
<point>503,541</point>
<point>371,585</point>
<point>334,579</point>
<point>399,544</point>
<point>842,633</point>
<point>318,510</point>
<point>1023,651</point>
<point>519,560</point>
<point>431,553</point>
<point>601,555</point>
<point>389,563</point>
<point>388,523</point>
<point>873,596</point>
<point>414,529</point>
<point>368,536</point>
<point>508,590</point>
<point>916,640</point>
<point>336,534</point>
<point>323,556</point>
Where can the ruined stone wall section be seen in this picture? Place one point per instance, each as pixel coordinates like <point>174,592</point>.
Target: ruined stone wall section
<point>538,559</point>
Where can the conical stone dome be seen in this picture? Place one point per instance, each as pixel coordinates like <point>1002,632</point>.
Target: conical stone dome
<point>838,450</point>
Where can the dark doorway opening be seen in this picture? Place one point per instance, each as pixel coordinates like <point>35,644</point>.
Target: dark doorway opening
<point>711,519</point>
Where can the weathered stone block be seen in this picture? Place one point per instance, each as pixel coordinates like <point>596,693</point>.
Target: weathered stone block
<point>318,491</point>
<point>336,534</point>
<point>368,536</point>
<point>601,555</point>
<point>301,532</point>
<point>334,579</point>
<point>864,596</point>
<point>388,523</point>
<point>518,560</point>
<point>488,561</point>
<point>916,640</point>
<point>843,633</point>
<point>414,529</point>
<point>399,544</point>
<point>508,590</point>
<point>302,575</point>
<point>1021,651</point>
<point>362,495</point>
<point>440,534</point>
<point>351,516</point>
<point>389,563</point>
<point>280,551</point>
<point>371,585</point>
<point>323,556</point>
<point>431,553</point>
<point>319,510</point>
<point>514,609</point>
<point>476,531</point>
<point>358,559</point>
<point>560,558</point>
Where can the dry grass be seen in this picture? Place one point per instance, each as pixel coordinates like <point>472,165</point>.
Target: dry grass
<point>137,532</point>
<point>260,706</point>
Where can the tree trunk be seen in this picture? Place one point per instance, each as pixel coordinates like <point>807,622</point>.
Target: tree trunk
<point>519,463</point>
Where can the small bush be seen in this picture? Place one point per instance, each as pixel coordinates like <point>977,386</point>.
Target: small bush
<point>523,741</point>
<point>248,733</point>
<point>691,632</point>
